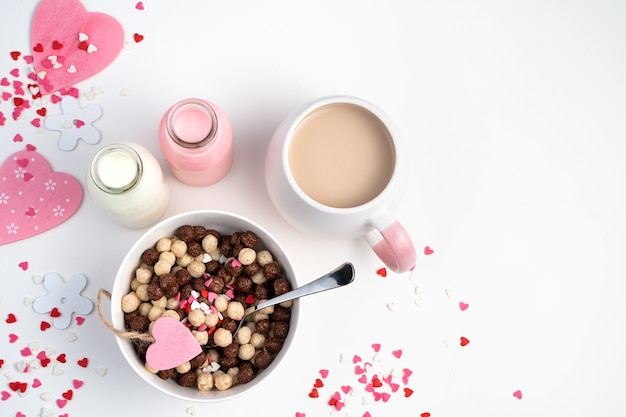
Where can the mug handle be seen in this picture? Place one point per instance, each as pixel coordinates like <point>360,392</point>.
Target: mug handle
<point>392,244</point>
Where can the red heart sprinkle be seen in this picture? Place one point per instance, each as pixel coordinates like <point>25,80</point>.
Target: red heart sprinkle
<point>464,341</point>
<point>61,358</point>
<point>42,112</point>
<point>18,101</point>
<point>318,383</point>
<point>382,272</point>
<point>376,383</point>
<point>11,318</point>
<point>57,45</point>
<point>31,211</point>
<point>250,299</point>
<point>15,55</point>
<point>55,312</point>
<point>138,38</point>
<point>38,48</point>
<point>44,326</point>
<point>314,393</point>
<point>408,392</point>
<point>83,45</point>
<point>44,362</point>
<point>425,414</point>
<point>83,362</point>
<point>68,394</point>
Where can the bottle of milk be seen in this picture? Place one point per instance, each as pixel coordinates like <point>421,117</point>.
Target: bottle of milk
<point>126,182</point>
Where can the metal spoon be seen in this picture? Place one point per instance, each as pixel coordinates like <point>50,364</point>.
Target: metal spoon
<point>342,275</point>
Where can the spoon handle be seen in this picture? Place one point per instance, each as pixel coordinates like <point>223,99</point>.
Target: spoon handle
<point>343,275</point>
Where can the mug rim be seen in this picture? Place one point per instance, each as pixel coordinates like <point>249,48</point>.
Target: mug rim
<point>305,111</point>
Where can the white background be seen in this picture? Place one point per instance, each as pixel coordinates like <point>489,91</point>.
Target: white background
<point>514,117</point>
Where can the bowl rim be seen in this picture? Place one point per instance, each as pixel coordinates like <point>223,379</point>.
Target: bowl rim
<point>130,262</point>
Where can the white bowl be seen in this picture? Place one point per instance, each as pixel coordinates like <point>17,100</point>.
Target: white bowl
<point>225,223</point>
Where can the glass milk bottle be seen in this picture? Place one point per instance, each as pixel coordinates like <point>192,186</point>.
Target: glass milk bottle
<point>195,137</point>
<point>126,182</point>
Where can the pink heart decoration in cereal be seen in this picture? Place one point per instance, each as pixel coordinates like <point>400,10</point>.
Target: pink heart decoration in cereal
<point>173,344</point>
<point>33,198</point>
<point>70,44</point>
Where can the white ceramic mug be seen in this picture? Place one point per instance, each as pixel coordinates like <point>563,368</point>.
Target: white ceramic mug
<point>337,167</point>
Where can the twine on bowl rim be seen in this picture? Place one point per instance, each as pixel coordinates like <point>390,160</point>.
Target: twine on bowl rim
<point>121,333</point>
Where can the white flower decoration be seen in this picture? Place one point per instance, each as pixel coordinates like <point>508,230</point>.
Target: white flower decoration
<point>64,297</point>
<point>4,198</point>
<point>50,184</point>
<point>75,123</point>
<point>58,211</point>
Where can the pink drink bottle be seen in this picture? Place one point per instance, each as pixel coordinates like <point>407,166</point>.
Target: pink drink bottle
<point>196,139</point>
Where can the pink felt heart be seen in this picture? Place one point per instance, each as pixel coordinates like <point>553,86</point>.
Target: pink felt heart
<point>33,198</point>
<point>56,28</point>
<point>173,344</point>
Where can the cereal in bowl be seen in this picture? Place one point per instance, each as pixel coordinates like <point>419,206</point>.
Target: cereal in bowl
<point>206,280</point>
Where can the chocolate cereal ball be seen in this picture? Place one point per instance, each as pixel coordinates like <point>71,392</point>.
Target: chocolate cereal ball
<point>185,233</point>
<point>188,379</point>
<point>249,239</point>
<point>281,329</point>
<point>167,374</point>
<point>246,372</point>
<point>273,344</point>
<point>263,359</point>
<point>281,286</point>
<point>150,256</point>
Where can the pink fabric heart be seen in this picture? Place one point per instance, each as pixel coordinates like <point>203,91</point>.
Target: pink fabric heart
<point>173,344</point>
<point>56,28</point>
<point>33,198</point>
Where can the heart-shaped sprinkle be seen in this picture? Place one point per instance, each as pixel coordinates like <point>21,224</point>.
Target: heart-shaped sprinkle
<point>425,414</point>
<point>324,373</point>
<point>15,72</point>
<point>15,55</point>
<point>11,318</point>
<point>55,312</point>
<point>428,250</point>
<point>26,351</point>
<point>408,392</point>
<point>101,370</point>
<point>5,395</point>
<point>13,337</point>
<point>68,394</point>
<point>23,265</point>
<point>356,359</point>
<point>314,393</point>
<point>57,45</point>
<point>84,362</point>
<point>376,347</point>
<point>318,383</point>
<point>36,383</point>
<point>80,320</point>
<point>44,326</point>
<point>463,306</point>
<point>464,341</point>
<point>518,394</point>
<point>61,402</point>
<point>382,272</point>
<point>397,353</point>
<point>137,37</point>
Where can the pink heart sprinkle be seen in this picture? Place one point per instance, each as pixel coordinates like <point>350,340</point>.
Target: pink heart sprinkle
<point>300,415</point>
<point>339,405</point>
<point>397,353</point>
<point>518,394</point>
<point>28,59</point>
<point>362,379</point>
<point>26,351</point>
<point>15,72</point>
<point>324,373</point>
<point>356,359</point>
<point>346,389</point>
<point>463,306</point>
<point>376,347</point>
<point>369,387</point>
<point>36,122</point>
<point>20,414</point>
<point>79,123</point>
<point>55,98</point>
<point>4,82</point>
<point>6,96</point>
<point>5,395</point>
<point>32,76</point>
<point>13,338</point>
<point>77,383</point>
<point>61,402</point>
<point>80,320</point>
<point>358,370</point>
<point>23,265</point>
<point>42,355</point>
<point>139,6</point>
<point>367,414</point>
<point>428,250</point>
<point>36,383</point>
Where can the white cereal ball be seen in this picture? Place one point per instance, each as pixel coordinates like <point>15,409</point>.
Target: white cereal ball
<point>267,310</point>
<point>143,275</point>
<point>171,313</point>
<point>179,248</point>
<point>183,368</point>
<point>172,303</point>
<point>201,337</point>
<point>233,372</point>
<point>144,308</point>
<point>222,337</point>
<point>184,260</point>
<point>222,381</point>
<point>257,340</point>
<point>155,313</point>
<point>134,283</point>
<point>142,292</point>
<point>286,304</point>
<point>215,255</point>
<point>235,310</point>
<point>150,369</point>
<point>162,267</point>
<point>204,381</point>
<point>164,244</point>
<point>130,302</point>
<point>243,335</point>
<point>246,256</point>
<point>209,243</point>
<point>196,269</point>
<point>220,303</point>
<point>213,355</point>
<point>246,352</point>
<point>168,257</point>
<point>161,302</point>
<point>196,317</point>
<point>211,319</point>
<point>259,278</point>
<point>264,257</point>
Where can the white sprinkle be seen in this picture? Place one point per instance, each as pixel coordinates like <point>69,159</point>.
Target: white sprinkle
<point>125,93</point>
<point>82,37</point>
<point>101,370</point>
<point>71,337</point>
<point>57,371</point>
<point>28,301</point>
<point>46,396</point>
<point>449,292</point>
<point>391,306</point>
<point>45,412</point>
<point>71,69</point>
<point>37,279</point>
<point>41,75</point>
<point>92,48</point>
<point>192,411</point>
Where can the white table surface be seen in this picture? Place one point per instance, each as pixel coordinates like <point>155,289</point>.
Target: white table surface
<point>513,113</point>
